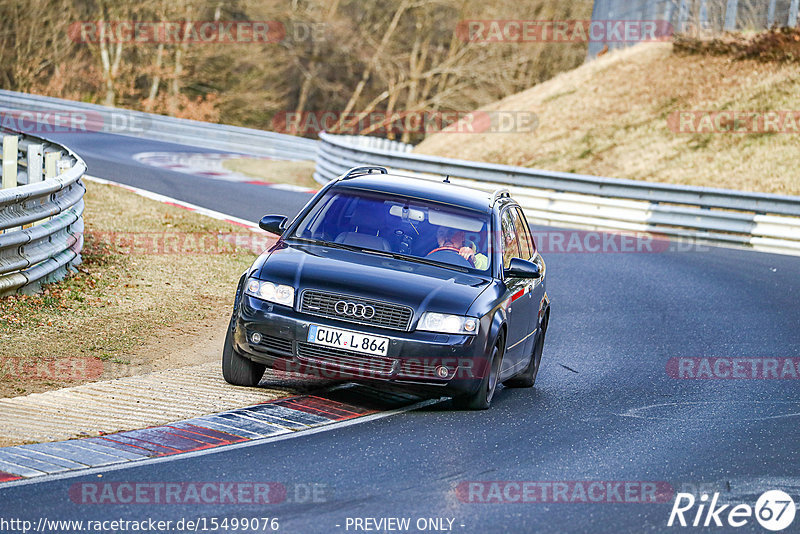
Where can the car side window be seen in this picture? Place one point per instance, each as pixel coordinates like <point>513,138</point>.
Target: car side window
<point>525,243</point>
<point>510,244</point>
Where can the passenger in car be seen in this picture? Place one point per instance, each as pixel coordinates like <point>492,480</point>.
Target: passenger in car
<point>480,260</point>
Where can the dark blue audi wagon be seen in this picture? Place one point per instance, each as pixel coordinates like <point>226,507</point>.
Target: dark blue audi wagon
<point>396,281</point>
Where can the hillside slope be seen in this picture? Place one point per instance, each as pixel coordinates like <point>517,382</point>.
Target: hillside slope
<point>610,117</point>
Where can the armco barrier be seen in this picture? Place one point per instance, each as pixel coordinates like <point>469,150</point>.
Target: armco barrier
<point>154,127</point>
<point>41,212</point>
<point>767,222</point>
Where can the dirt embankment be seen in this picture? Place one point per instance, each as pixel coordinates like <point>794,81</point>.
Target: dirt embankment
<point>657,112</point>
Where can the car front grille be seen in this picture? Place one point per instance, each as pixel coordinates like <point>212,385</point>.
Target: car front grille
<point>362,365</point>
<point>387,315</point>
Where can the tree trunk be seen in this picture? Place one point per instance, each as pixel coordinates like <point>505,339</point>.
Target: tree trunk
<point>311,72</point>
<point>175,86</point>
<point>151,97</point>
<point>387,35</point>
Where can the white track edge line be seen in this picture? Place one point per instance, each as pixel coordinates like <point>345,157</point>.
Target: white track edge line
<point>222,448</point>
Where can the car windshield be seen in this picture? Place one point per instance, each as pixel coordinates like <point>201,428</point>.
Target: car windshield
<point>411,227</point>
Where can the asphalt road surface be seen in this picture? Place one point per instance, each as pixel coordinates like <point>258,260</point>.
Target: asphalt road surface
<point>605,407</point>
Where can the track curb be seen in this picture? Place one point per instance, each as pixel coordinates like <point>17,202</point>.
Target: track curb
<point>270,421</point>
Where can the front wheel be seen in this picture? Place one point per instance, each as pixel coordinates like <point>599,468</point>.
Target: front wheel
<point>482,399</point>
<point>527,378</point>
<point>237,369</point>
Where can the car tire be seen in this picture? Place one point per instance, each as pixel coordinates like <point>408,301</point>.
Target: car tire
<point>482,398</point>
<point>527,378</point>
<point>237,369</point>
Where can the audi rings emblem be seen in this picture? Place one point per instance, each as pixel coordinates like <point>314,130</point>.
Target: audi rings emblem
<point>351,309</point>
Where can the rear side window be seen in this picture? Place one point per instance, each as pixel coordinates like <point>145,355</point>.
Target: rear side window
<point>526,245</point>
<point>510,244</point>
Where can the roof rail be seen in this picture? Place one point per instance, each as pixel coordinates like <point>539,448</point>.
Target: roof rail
<point>359,171</point>
<point>499,193</point>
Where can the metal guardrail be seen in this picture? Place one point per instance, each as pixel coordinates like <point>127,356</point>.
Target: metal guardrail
<point>764,221</point>
<point>92,117</point>
<point>41,212</point>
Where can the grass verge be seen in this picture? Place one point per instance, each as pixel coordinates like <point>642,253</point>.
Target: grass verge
<point>275,171</point>
<point>154,280</point>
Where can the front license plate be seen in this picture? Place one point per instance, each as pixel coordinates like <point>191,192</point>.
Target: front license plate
<point>345,339</point>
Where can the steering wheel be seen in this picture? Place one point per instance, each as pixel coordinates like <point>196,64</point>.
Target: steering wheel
<point>449,255</point>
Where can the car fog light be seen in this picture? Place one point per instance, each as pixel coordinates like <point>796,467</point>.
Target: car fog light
<point>442,371</point>
<point>256,338</point>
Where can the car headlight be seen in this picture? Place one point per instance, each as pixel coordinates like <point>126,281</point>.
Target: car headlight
<point>279,294</point>
<point>448,324</point>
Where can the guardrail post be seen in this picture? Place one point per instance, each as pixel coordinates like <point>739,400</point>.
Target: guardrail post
<point>62,166</point>
<point>10,156</point>
<point>51,164</point>
<point>35,163</point>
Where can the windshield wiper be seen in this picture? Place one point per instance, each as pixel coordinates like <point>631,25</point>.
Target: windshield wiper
<point>323,243</point>
<point>415,259</point>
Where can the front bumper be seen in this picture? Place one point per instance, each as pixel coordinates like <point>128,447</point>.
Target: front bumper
<point>424,362</point>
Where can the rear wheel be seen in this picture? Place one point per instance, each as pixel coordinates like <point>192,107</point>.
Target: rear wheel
<point>237,369</point>
<point>482,399</point>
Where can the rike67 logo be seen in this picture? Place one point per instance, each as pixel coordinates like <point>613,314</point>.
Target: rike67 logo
<point>774,510</point>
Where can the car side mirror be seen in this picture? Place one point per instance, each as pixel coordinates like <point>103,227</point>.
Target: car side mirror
<point>519,268</point>
<point>274,224</point>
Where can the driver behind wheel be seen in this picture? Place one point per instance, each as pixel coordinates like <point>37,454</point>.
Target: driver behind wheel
<point>453,240</point>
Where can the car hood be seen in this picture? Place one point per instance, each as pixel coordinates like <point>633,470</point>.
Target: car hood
<point>422,287</point>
